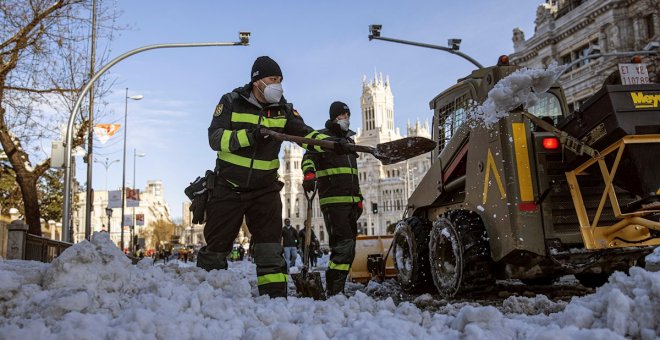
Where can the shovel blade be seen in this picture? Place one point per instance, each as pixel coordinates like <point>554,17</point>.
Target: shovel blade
<point>309,285</point>
<point>402,149</point>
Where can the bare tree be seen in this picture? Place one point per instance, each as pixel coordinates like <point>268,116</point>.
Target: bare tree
<point>162,231</point>
<point>43,64</point>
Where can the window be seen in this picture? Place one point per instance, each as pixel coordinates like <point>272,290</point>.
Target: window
<point>548,106</point>
<point>451,116</point>
<point>650,26</point>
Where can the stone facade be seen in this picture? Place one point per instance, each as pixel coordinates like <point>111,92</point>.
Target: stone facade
<point>566,30</point>
<point>152,206</point>
<point>385,187</point>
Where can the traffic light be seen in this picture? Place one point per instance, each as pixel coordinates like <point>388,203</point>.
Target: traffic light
<point>374,208</point>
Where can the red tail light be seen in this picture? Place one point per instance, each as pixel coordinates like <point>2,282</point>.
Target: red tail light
<point>503,60</point>
<point>550,143</point>
<point>636,59</point>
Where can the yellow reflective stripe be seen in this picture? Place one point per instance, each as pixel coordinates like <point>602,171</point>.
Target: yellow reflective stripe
<point>237,117</point>
<point>245,162</point>
<point>337,171</point>
<point>339,199</point>
<point>224,140</point>
<point>321,136</point>
<point>308,164</point>
<point>339,266</point>
<point>312,134</point>
<point>243,138</point>
<point>522,162</point>
<point>317,135</point>
<point>271,278</point>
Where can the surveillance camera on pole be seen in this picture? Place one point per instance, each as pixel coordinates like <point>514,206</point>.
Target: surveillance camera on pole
<point>374,31</point>
<point>244,37</point>
<point>454,44</point>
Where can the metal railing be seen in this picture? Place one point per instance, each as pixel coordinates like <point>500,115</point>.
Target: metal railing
<point>43,249</point>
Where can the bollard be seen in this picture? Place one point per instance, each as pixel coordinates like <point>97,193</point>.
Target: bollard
<point>16,238</point>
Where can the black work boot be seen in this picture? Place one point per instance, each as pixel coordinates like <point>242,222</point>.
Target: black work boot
<point>335,280</point>
<point>209,260</point>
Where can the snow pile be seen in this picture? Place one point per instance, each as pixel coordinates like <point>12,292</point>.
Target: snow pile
<point>519,88</point>
<point>653,260</point>
<point>92,291</point>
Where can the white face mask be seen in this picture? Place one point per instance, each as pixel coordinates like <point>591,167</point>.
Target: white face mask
<point>273,93</point>
<point>344,124</point>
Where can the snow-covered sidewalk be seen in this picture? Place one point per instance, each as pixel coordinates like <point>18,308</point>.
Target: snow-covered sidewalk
<point>93,292</point>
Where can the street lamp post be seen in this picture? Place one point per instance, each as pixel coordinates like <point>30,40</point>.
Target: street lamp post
<point>107,163</point>
<point>135,156</point>
<point>454,44</point>
<point>123,174</point>
<point>244,38</point>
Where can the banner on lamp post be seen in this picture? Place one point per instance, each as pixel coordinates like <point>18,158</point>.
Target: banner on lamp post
<point>132,197</point>
<point>139,219</point>
<point>128,220</point>
<point>104,131</point>
<point>114,199</point>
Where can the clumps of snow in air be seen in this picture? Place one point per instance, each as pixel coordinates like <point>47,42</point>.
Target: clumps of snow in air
<point>653,260</point>
<point>519,88</point>
<point>93,292</point>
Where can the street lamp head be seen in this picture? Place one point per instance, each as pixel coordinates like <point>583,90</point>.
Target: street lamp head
<point>108,211</point>
<point>244,37</point>
<point>136,97</point>
<point>374,31</point>
<point>652,46</point>
<point>454,44</point>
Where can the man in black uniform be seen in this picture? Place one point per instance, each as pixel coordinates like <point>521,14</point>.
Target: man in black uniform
<point>290,243</point>
<point>339,196</point>
<point>246,174</point>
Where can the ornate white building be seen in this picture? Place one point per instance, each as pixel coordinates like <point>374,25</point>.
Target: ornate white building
<point>385,187</point>
<point>567,30</point>
<point>152,206</point>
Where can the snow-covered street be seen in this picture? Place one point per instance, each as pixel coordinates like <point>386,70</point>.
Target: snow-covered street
<point>92,291</point>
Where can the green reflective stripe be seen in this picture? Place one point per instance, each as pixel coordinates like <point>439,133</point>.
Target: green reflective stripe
<point>312,134</point>
<point>318,148</point>
<point>308,164</point>
<point>243,138</point>
<point>321,136</point>
<point>224,140</point>
<point>337,171</point>
<point>271,278</point>
<point>245,162</point>
<point>338,266</point>
<point>237,117</point>
<point>339,199</point>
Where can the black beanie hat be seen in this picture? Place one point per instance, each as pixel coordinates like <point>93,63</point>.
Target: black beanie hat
<point>338,108</point>
<point>264,67</point>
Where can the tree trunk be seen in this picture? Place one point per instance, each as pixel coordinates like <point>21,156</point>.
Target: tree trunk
<point>28,185</point>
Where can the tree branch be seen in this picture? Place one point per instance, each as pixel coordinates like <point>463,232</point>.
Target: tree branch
<point>24,89</point>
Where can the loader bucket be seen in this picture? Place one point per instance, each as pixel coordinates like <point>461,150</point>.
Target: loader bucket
<point>366,246</point>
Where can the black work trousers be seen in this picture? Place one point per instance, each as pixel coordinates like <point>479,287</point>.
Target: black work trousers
<point>262,210</point>
<point>341,224</point>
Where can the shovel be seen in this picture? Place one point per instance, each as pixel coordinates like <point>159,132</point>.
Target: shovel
<point>308,284</point>
<point>388,153</point>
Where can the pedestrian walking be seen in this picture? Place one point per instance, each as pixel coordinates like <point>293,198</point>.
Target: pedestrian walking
<point>290,244</point>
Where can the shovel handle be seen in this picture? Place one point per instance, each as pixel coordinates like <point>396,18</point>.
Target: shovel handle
<point>330,145</point>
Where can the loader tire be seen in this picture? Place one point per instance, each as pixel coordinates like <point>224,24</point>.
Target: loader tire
<point>459,254</point>
<point>410,254</point>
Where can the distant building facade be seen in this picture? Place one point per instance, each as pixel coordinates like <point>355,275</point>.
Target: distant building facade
<point>385,187</point>
<point>152,207</point>
<point>566,30</point>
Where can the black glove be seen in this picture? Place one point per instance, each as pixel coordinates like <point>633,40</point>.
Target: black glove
<point>309,181</point>
<point>198,208</point>
<point>259,137</point>
<point>341,147</point>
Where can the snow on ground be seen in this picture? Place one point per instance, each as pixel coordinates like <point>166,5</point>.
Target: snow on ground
<point>92,291</point>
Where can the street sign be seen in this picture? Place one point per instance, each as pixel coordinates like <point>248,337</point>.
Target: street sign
<point>633,74</point>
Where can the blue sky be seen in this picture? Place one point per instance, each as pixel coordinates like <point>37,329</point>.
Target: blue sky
<point>322,48</point>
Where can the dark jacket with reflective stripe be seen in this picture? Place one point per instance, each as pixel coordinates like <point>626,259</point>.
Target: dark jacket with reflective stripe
<point>243,164</point>
<point>337,175</point>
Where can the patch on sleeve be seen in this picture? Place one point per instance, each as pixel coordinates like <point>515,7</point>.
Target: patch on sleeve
<point>218,110</point>
<point>295,113</point>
